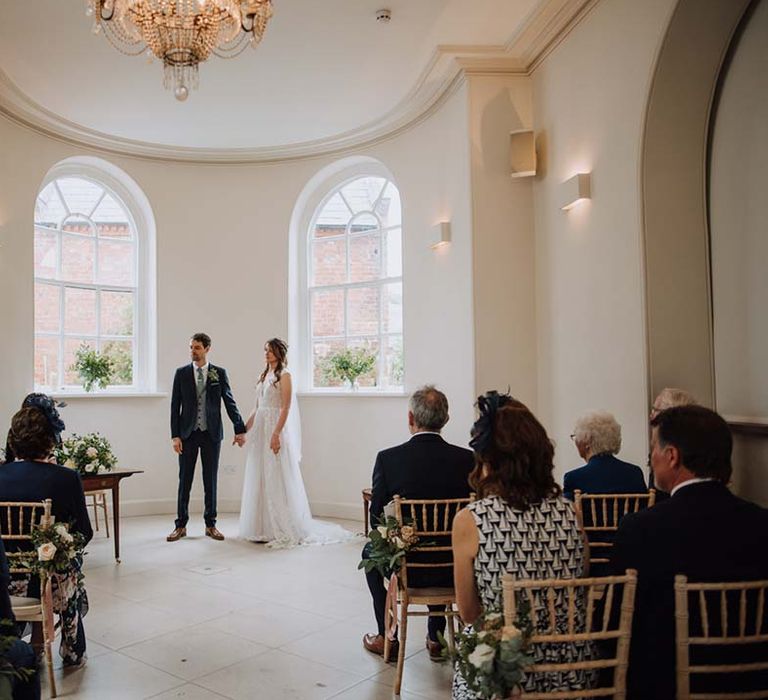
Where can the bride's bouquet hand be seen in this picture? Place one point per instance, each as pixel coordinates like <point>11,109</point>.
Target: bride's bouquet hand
<point>274,443</point>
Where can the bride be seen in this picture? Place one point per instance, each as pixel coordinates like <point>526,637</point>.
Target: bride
<point>274,507</point>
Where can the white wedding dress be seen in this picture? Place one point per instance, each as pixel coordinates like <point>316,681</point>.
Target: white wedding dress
<point>274,507</point>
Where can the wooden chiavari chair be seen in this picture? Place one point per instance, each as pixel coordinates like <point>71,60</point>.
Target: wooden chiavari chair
<point>581,617</point>
<point>432,522</point>
<point>601,514</point>
<point>17,520</point>
<point>730,616</point>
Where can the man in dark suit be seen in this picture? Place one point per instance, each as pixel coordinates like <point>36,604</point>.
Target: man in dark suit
<point>598,438</point>
<point>199,389</point>
<point>703,531</point>
<point>424,467</point>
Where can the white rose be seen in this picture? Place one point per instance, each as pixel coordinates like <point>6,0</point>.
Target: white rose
<point>46,551</point>
<point>92,452</point>
<point>93,466</point>
<point>399,543</point>
<point>70,463</point>
<point>482,655</point>
<point>382,530</point>
<point>62,532</point>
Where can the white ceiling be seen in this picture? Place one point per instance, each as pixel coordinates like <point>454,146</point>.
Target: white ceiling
<point>324,69</point>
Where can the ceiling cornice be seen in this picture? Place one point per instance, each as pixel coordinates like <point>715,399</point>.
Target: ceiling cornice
<point>445,70</point>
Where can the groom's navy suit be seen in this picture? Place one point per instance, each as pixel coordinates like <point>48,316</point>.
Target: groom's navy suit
<point>196,436</point>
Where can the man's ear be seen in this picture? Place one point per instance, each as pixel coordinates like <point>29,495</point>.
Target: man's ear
<point>410,418</point>
<point>675,460</point>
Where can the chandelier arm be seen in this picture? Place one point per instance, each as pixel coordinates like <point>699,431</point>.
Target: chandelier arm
<point>102,7</point>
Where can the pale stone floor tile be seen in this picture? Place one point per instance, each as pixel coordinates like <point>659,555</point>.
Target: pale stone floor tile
<point>421,675</point>
<point>341,646</point>
<point>200,603</point>
<point>128,623</point>
<point>271,624</point>
<point>112,676</point>
<point>193,652</point>
<point>368,690</point>
<point>188,692</point>
<point>278,675</point>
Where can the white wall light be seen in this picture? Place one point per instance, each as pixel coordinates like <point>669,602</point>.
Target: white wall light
<point>440,235</point>
<point>575,190</point>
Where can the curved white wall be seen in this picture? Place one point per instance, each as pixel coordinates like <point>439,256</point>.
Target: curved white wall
<point>739,236</point>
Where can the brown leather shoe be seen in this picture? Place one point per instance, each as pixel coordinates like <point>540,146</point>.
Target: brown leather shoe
<point>375,644</point>
<point>435,650</point>
<point>213,533</point>
<point>177,534</point>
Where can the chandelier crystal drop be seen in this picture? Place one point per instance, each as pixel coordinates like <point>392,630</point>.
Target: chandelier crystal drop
<point>181,33</point>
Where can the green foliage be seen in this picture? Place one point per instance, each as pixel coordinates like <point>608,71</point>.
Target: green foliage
<point>492,656</point>
<point>122,362</point>
<point>348,364</point>
<point>89,453</point>
<point>56,547</point>
<point>389,544</point>
<point>92,367</point>
<point>7,670</point>
<point>398,367</point>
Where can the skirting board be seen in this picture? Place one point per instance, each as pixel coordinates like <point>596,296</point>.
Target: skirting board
<point>167,506</point>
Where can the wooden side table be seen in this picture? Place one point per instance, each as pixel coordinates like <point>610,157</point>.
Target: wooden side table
<point>367,496</point>
<point>110,481</point>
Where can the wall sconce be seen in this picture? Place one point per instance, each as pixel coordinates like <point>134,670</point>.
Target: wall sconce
<point>575,190</point>
<point>440,235</point>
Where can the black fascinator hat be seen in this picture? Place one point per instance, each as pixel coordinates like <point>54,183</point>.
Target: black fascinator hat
<point>47,406</point>
<point>488,406</point>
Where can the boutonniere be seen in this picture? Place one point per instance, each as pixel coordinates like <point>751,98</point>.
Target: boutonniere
<point>213,376</point>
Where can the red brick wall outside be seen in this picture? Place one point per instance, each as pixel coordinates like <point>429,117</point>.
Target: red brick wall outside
<point>363,303</point>
<point>116,263</point>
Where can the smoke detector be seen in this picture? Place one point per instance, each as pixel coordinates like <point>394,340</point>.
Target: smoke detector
<point>383,16</point>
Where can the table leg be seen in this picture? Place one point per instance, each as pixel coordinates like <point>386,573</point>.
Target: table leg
<point>116,518</point>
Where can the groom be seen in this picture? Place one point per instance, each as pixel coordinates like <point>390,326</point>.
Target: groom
<point>198,390</point>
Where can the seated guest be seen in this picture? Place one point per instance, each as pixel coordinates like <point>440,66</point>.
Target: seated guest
<point>47,405</point>
<point>520,525</point>
<point>33,478</point>
<point>19,655</point>
<point>668,397</point>
<point>424,467</point>
<point>598,439</point>
<point>703,531</point>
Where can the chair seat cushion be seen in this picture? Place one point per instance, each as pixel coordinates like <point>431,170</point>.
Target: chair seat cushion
<point>25,608</point>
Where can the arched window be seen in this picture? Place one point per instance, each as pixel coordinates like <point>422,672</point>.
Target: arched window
<point>355,284</point>
<point>92,288</point>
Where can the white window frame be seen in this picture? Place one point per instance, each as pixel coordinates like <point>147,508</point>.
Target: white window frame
<point>313,209</point>
<point>129,195</point>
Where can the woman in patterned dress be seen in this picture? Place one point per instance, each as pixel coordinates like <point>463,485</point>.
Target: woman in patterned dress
<point>520,524</point>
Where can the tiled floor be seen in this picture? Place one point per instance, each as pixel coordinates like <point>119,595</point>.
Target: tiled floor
<point>205,620</point>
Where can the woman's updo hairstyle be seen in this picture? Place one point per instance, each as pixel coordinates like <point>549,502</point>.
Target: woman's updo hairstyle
<point>30,436</point>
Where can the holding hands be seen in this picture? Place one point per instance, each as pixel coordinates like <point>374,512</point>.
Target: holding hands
<point>239,439</point>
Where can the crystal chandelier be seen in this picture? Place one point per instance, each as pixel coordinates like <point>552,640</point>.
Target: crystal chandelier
<point>181,33</point>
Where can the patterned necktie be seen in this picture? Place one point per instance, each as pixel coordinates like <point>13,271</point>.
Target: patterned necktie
<point>200,381</point>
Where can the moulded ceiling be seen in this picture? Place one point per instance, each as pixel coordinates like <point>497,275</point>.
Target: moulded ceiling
<point>324,69</point>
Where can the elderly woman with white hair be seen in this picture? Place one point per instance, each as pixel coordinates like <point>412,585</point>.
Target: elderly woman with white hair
<point>597,436</point>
